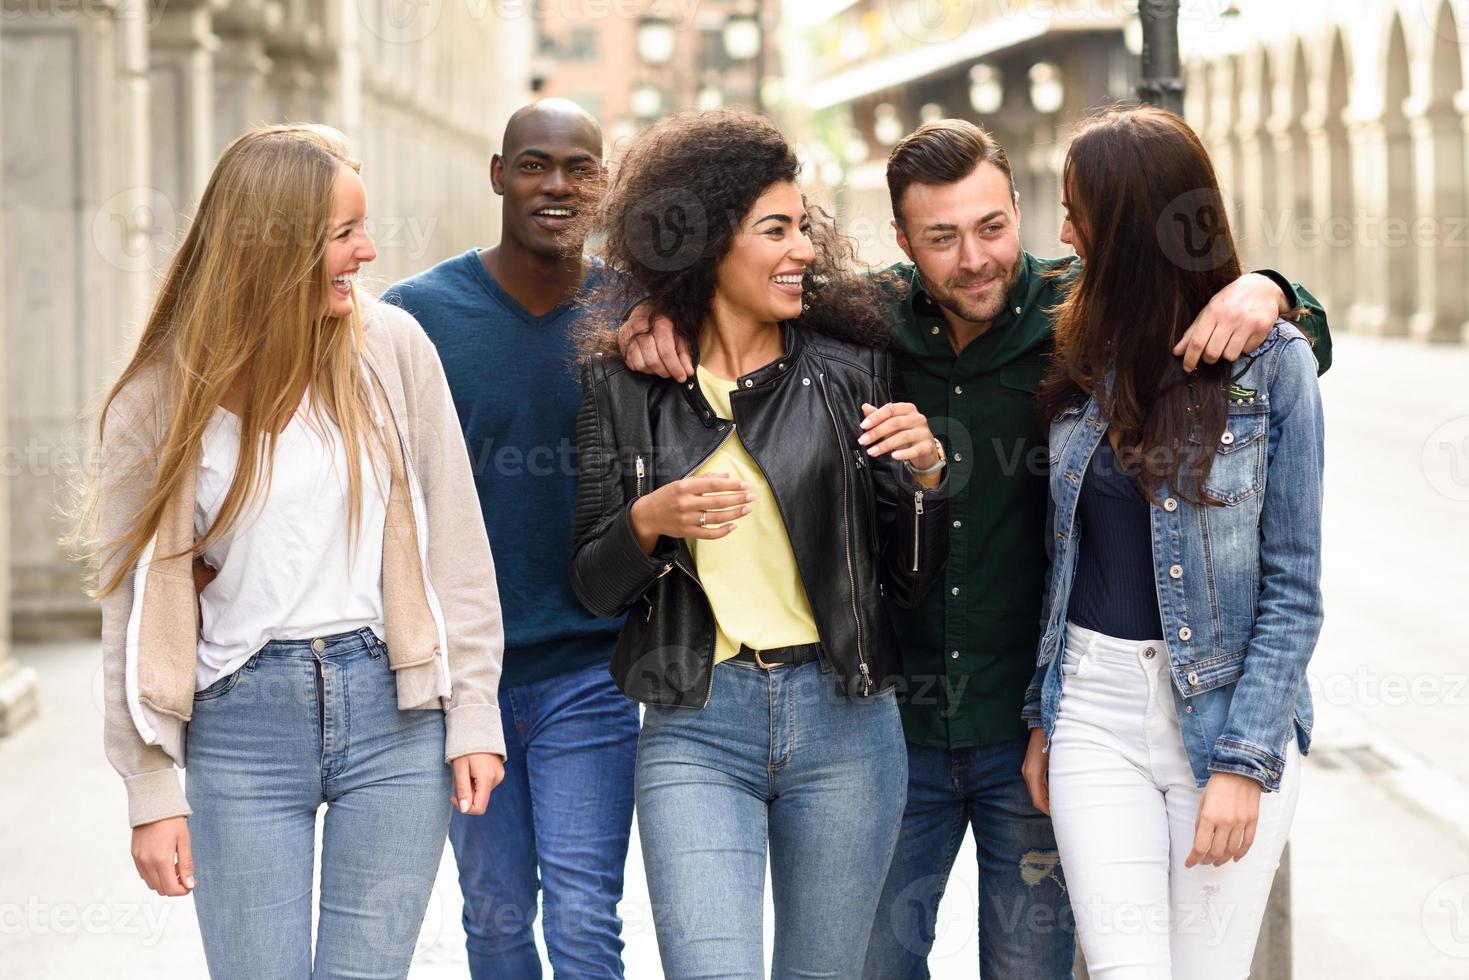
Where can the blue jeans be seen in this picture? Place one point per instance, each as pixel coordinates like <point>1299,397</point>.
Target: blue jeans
<point>1026,929</point>
<point>560,822</point>
<point>781,755</point>
<point>304,723</point>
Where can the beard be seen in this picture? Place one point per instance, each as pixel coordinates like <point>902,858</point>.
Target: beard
<point>975,309</point>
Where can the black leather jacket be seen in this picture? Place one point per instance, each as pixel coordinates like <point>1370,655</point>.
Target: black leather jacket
<point>860,528</point>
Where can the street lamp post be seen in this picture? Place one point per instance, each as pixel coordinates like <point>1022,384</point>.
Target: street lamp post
<point>1162,81</point>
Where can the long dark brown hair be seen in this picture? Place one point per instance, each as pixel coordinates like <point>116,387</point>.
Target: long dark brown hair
<point>671,215</point>
<point>1146,205</point>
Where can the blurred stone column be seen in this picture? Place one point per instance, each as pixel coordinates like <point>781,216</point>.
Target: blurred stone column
<point>1331,190</point>
<point>181,100</point>
<point>71,196</point>
<point>1368,313</point>
<point>1443,261</point>
<point>17,684</point>
<point>1293,228</point>
<point>242,68</point>
<point>1255,187</point>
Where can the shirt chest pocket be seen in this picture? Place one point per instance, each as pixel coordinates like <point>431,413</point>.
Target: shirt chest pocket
<point>1238,472</point>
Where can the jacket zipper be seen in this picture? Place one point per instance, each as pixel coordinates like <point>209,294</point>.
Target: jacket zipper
<point>847,539</point>
<point>641,472</point>
<point>917,522</point>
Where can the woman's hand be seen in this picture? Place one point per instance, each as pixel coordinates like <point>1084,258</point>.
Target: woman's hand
<point>673,510</point>
<point>1034,770</point>
<point>901,429</point>
<point>1228,816</point>
<point>474,776</point>
<point>162,856</point>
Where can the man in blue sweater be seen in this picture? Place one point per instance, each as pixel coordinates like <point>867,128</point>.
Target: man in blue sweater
<point>503,320</point>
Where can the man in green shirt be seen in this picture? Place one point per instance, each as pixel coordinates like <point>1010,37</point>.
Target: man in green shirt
<point>973,331</point>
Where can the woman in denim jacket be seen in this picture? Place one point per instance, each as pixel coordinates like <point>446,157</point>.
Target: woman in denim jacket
<point>1169,708</point>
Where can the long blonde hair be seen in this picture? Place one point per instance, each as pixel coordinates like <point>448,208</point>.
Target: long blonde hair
<point>242,307</point>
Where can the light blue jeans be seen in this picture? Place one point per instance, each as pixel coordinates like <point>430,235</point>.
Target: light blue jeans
<point>780,756</point>
<point>304,723</point>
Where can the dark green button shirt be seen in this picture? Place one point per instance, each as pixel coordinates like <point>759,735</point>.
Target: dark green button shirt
<point>969,647</point>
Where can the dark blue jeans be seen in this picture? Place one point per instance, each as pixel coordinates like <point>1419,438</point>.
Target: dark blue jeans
<point>1026,929</point>
<point>560,823</point>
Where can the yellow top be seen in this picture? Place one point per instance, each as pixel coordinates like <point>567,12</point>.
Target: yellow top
<point>749,574</point>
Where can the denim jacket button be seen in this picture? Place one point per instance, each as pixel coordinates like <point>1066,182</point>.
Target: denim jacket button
<point>1227,438</point>
<point>1170,505</point>
<point>1175,571</point>
<point>1193,677</point>
<point>1185,634</point>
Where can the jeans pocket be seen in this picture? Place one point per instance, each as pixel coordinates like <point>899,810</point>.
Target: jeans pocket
<point>220,687</point>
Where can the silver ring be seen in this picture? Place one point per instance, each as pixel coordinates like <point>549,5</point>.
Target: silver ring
<point>703,518</point>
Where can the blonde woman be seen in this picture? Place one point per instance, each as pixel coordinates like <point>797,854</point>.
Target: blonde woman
<point>296,586</point>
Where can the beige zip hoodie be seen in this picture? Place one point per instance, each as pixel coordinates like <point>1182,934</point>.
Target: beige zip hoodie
<point>441,607</point>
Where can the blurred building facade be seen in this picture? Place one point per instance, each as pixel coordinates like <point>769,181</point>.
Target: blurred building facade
<point>630,63</point>
<point>876,69</point>
<point>1339,130</point>
<point>111,116</point>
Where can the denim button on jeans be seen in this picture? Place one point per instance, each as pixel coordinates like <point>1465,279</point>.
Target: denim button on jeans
<point>782,756</point>
<point>268,745</point>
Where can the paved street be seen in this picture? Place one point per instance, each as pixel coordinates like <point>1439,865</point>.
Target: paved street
<point>1381,839</point>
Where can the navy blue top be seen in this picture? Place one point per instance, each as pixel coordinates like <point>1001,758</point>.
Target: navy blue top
<point>517,391</point>
<point>1113,590</point>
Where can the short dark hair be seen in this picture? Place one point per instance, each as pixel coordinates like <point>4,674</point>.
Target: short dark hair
<point>942,152</point>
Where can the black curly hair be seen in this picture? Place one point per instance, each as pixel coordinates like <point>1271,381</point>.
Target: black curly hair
<point>670,216</point>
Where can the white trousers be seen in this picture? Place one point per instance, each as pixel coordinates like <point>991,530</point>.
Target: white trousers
<point>1124,805</point>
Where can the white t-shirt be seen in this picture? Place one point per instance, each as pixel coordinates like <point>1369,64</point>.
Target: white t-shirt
<point>284,570</point>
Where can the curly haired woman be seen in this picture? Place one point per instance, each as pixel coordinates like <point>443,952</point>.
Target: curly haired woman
<point>765,656</point>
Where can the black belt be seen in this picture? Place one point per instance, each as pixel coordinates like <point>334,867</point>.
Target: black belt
<point>780,656</point>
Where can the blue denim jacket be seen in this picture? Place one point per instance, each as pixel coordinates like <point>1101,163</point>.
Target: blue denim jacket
<point>1238,585</point>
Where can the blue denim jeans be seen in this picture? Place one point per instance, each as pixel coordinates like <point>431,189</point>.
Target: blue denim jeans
<point>1026,929</point>
<point>559,823</point>
<point>304,723</point>
<point>780,756</point>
